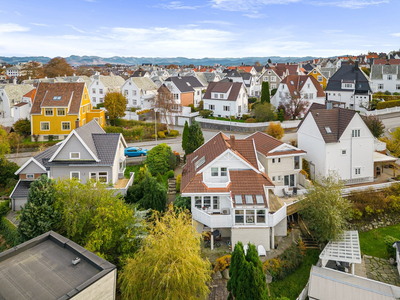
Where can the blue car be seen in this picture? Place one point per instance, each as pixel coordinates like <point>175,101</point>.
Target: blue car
<point>135,151</point>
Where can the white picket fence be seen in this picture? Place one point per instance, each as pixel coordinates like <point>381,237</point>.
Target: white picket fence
<point>384,111</point>
<point>285,124</point>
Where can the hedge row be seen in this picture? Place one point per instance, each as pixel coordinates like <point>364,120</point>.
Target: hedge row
<point>386,97</point>
<point>388,104</point>
<point>9,232</point>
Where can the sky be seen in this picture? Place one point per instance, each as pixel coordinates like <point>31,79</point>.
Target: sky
<point>197,29</point>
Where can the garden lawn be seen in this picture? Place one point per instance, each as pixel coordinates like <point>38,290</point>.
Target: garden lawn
<point>224,119</point>
<point>130,169</point>
<point>292,285</point>
<point>371,242</point>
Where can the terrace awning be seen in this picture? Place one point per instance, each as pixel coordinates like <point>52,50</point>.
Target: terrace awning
<point>345,249</point>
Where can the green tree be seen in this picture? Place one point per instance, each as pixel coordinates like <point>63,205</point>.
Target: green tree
<point>8,179</point>
<point>4,144</point>
<point>157,159</point>
<point>265,96</point>
<point>95,218</point>
<point>182,202</point>
<point>196,138</point>
<point>324,209</point>
<point>39,215</point>
<point>57,66</point>
<point>115,103</point>
<point>269,60</point>
<point>280,115</point>
<point>264,112</point>
<point>185,135</point>
<point>148,194</point>
<point>169,265</point>
<point>23,126</point>
<point>375,125</point>
<point>237,262</point>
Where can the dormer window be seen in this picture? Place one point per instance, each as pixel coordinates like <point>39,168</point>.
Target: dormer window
<point>347,85</point>
<point>214,171</point>
<point>74,155</point>
<point>48,111</point>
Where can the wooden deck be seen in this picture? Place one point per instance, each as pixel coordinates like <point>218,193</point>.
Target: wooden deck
<point>121,183</point>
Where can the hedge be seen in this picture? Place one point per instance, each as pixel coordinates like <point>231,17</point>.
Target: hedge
<point>388,104</point>
<point>9,232</point>
<point>4,207</point>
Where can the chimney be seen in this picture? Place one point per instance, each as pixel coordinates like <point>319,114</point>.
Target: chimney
<point>233,146</point>
<point>77,123</point>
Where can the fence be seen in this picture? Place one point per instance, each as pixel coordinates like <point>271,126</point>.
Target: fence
<point>384,111</point>
<point>376,187</point>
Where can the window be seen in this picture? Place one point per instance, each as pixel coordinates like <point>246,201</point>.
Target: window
<point>198,93</point>
<point>221,96</point>
<point>389,77</point>
<point>200,162</point>
<point>211,107</point>
<point>101,100</point>
<point>357,171</point>
<point>85,96</point>
<point>238,199</point>
<point>269,72</point>
<point>97,83</point>
<point>101,91</point>
<point>297,162</point>
<point>94,99</point>
<point>250,216</point>
<point>279,178</point>
<point>101,120</point>
<point>311,96</point>
<point>74,155</point>
<point>226,108</point>
<point>56,98</point>
<point>261,216</point>
<point>134,93</point>
<point>93,176</point>
<point>239,216</point>
<point>249,199</point>
<point>239,109</point>
<point>265,78</point>
<point>273,160</point>
<point>273,78</point>
<point>279,159</point>
<point>176,96</point>
<point>96,119</point>
<point>45,126</point>
<point>344,151</point>
<point>29,176</point>
<point>103,177</point>
<point>215,202</point>
<point>207,201</point>
<point>75,174</point>
<point>347,85</point>
<point>224,171</point>
<point>397,86</point>
<point>259,199</point>
<point>83,109</point>
<point>125,93</point>
<point>319,78</point>
<point>355,133</point>
<point>60,111</point>
<point>214,171</point>
<point>48,111</point>
<point>328,129</point>
<point>197,202</point>
<point>273,86</point>
<point>94,91</point>
<point>380,86</point>
<point>273,178</point>
<point>65,125</point>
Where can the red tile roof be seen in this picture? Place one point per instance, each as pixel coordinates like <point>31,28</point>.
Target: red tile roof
<point>31,94</point>
<point>384,61</point>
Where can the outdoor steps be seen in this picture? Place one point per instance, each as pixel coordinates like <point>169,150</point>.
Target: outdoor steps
<point>310,243</point>
<point>172,186</point>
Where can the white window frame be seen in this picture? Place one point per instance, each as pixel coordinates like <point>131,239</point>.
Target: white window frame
<point>265,78</point>
<point>355,133</point>
<point>357,171</point>
<point>273,78</point>
<point>94,99</point>
<point>226,108</point>
<point>211,107</point>
<point>71,153</point>
<point>63,109</point>
<point>41,124</point>
<point>79,174</point>
<point>96,119</point>
<point>30,176</point>
<point>48,110</point>
<point>343,152</point>
<point>101,176</point>
<point>65,122</point>
<point>223,171</point>
<point>381,86</point>
<point>214,172</point>
<point>273,160</point>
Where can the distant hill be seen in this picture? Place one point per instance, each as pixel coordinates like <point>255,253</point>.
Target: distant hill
<point>76,60</point>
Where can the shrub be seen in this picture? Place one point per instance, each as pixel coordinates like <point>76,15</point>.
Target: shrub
<point>9,232</point>
<point>245,117</point>
<point>250,120</point>
<point>275,130</point>
<point>100,105</point>
<point>172,161</point>
<point>161,135</point>
<point>153,136</point>
<point>4,207</point>
<point>206,113</point>
<point>192,108</point>
<point>222,263</point>
<point>396,94</point>
<point>174,133</point>
<point>113,129</point>
<point>182,202</point>
<point>157,159</point>
<point>178,182</point>
<point>306,167</point>
<point>388,93</point>
<point>170,174</point>
<point>389,241</point>
<point>388,104</point>
<point>23,126</point>
<point>252,100</point>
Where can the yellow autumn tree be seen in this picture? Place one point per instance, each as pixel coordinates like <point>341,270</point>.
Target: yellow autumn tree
<point>275,130</point>
<point>115,103</point>
<point>169,264</point>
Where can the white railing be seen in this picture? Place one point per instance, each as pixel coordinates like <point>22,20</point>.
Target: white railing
<point>376,187</point>
<point>212,221</point>
<point>384,111</point>
<point>285,124</point>
<point>123,190</point>
<point>303,295</point>
<point>276,217</point>
<point>359,180</point>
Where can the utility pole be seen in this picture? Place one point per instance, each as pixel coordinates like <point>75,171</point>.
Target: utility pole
<point>155,119</point>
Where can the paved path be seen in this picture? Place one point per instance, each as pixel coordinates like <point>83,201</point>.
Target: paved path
<point>381,270</point>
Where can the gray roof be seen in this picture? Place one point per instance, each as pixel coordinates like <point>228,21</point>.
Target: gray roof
<point>328,72</point>
<point>245,75</point>
<point>41,268</point>
<point>349,73</point>
<point>232,73</point>
<point>82,78</point>
<point>186,84</point>
<point>86,131</point>
<point>21,190</point>
<point>377,71</point>
<point>106,146</point>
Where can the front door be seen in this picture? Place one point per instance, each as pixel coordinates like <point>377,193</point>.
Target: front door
<point>289,180</point>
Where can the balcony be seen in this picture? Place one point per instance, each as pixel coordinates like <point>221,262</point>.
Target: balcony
<point>212,220</point>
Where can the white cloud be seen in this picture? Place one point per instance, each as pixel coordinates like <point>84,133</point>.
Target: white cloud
<point>11,27</point>
<point>351,4</point>
<point>176,5</point>
<point>76,29</point>
<point>255,15</point>
<point>246,5</point>
<point>216,22</point>
<point>39,24</point>
<point>395,34</point>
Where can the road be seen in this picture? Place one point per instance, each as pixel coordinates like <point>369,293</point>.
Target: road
<point>391,123</point>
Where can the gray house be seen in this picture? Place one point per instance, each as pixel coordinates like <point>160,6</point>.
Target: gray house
<point>88,153</point>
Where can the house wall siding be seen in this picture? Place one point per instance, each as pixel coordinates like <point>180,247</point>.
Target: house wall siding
<point>187,98</point>
<point>73,145</point>
<point>256,236</point>
<point>32,168</point>
<point>64,172</point>
<point>103,289</point>
<point>35,176</point>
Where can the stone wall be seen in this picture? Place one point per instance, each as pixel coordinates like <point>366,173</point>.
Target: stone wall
<point>378,222</point>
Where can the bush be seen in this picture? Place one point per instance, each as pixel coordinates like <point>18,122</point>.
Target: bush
<point>275,130</point>
<point>396,94</point>
<point>192,108</point>
<point>273,92</point>
<point>100,105</point>
<point>113,129</point>
<point>206,113</point>
<point>250,120</point>
<point>182,202</point>
<point>245,117</point>
<point>158,159</point>
<point>161,135</point>
<point>170,174</point>
<point>172,161</point>
<point>389,241</point>
<point>388,93</point>
<point>252,100</point>
<point>388,104</point>
<point>23,126</point>
<point>178,182</point>
<point>174,133</point>
<point>306,167</point>
<point>4,207</point>
<point>9,232</point>
<point>222,263</point>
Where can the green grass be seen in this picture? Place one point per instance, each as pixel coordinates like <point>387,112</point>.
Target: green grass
<point>224,119</point>
<point>130,169</point>
<point>371,242</point>
<point>292,285</point>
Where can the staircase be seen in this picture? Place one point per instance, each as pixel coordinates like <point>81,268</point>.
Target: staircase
<point>308,239</point>
<point>171,191</point>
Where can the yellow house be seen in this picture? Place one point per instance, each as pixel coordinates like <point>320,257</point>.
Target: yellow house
<point>60,107</point>
<point>316,73</point>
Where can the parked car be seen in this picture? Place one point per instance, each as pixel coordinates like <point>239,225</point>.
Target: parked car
<point>135,151</point>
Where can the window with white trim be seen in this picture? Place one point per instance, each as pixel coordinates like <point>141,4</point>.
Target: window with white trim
<point>343,151</point>
<point>221,96</point>
<point>211,107</point>
<point>357,171</point>
<point>75,174</point>
<point>176,96</point>
<point>265,78</point>
<point>319,79</point>
<point>103,176</point>
<point>261,216</point>
<point>224,172</point>
<point>214,172</point>
<point>273,78</point>
<point>74,155</point>
<point>29,176</point>
<point>355,133</point>
<point>273,160</point>
<point>44,126</point>
<point>397,86</point>
<point>65,125</point>
<point>197,202</point>
<point>380,86</point>
<point>60,111</point>
<point>215,202</point>
<point>48,111</point>
<point>101,91</point>
<point>207,201</point>
<point>94,99</point>
<point>94,91</point>
<point>389,77</point>
<point>226,108</point>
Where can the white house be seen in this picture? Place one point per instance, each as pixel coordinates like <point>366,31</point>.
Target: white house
<point>14,71</point>
<point>230,191</point>
<point>101,85</point>
<point>11,94</point>
<point>226,99</point>
<point>186,90</point>
<point>337,140</point>
<point>139,91</point>
<point>385,78</point>
<point>299,86</point>
<point>349,87</point>
<point>22,109</point>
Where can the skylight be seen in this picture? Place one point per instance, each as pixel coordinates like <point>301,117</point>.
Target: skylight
<point>291,82</point>
<point>238,199</point>
<point>188,83</point>
<point>200,162</point>
<point>328,130</point>
<point>260,199</point>
<point>57,98</point>
<point>195,158</point>
<point>249,199</point>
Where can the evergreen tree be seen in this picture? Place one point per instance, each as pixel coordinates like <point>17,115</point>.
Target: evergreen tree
<point>38,215</point>
<point>237,262</point>
<point>256,286</point>
<point>265,96</point>
<point>269,60</point>
<point>185,135</point>
<point>196,138</point>
<point>281,115</point>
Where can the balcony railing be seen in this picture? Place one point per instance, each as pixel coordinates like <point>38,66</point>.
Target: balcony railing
<point>276,217</point>
<point>212,220</point>
<point>359,180</point>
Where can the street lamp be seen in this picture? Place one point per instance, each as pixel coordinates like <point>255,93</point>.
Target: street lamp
<point>155,120</point>
<point>230,117</point>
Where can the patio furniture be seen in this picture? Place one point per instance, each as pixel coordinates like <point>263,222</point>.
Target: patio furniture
<point>295,191</point>
<point>286,195</point>
<point>245,248</point>
<point>217,235</point>
<point>261,250</point>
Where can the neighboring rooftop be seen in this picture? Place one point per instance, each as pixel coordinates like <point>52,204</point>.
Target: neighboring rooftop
<point>42,269</point>
<point>349,73</point>
<point>223,87</point>
<point>186,83</point>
